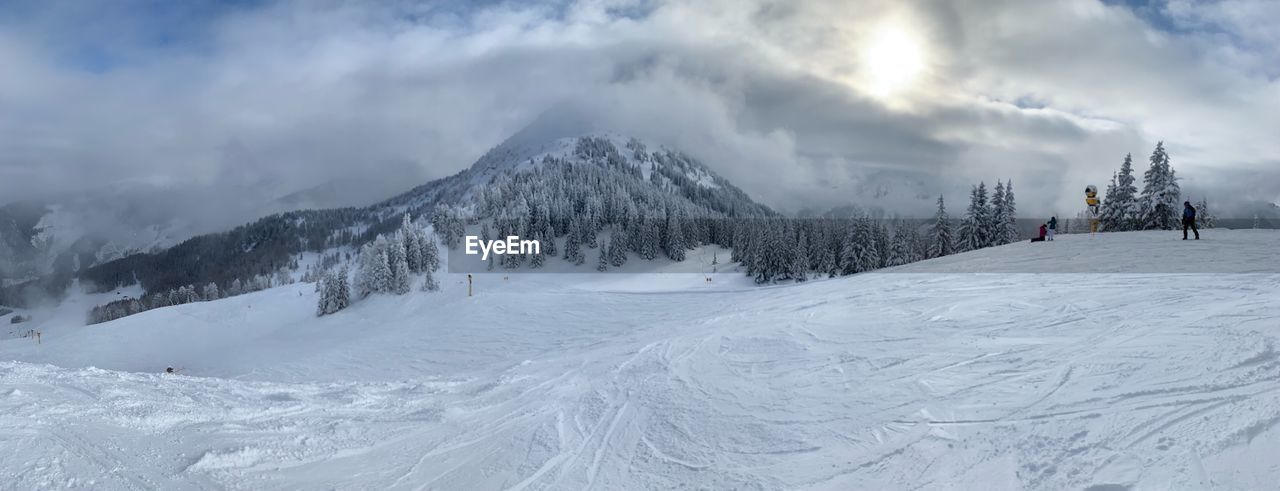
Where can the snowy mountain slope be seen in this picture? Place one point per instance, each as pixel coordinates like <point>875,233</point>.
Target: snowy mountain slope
<point>623,173</point>
<point>875,381</point>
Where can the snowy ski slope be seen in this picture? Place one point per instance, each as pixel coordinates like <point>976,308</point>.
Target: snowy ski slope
<point>895,380</point>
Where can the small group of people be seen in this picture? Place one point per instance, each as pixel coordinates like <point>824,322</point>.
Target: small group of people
<point>1047,230</point>
<point>1188,223</point>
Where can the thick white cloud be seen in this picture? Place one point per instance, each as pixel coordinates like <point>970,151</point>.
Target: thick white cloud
<point>770,93</point>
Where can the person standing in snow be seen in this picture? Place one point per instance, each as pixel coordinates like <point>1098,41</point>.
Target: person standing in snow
<point>1044,229</point>
<point>1053,227</point>
<point>1189,220</point>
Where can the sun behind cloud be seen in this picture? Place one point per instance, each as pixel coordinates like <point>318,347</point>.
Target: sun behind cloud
<point>893,60</point>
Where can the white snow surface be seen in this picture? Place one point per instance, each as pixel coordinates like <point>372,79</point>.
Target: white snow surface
<point>1046,380</point>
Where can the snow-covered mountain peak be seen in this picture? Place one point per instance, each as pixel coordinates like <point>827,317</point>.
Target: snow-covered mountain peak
<point>523,152</point>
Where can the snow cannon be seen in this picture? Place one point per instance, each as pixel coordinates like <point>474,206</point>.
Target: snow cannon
<point>1091,200</point>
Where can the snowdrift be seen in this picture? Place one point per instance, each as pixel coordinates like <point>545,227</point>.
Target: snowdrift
<point>1041,377</point>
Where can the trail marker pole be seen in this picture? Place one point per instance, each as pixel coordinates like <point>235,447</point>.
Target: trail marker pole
<point>468,284</point>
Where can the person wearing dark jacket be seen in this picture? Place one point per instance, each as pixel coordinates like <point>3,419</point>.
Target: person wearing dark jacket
<point>1053,228</point>
<point>1189,220</point>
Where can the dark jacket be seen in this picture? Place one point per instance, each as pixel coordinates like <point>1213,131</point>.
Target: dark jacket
<point>1053,223</point>
<point>1188,212</point>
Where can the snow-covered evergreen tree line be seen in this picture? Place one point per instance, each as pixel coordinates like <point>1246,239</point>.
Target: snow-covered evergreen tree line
<point>1158,206</point>
<point>388,264</point>
<point>182,295</point>
<point>654,208</point>
<point>773,250</point>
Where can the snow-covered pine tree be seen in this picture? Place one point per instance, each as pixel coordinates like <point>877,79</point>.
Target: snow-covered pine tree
<point>859,252</point>
<point>449,225</point>
<point>1112,217</point>
<point>410,235</point>
<point>1122,207</point>
<point>770,260</point>
<point>397,261</point>
<point>430,253</point>
<point>816,234</point>
<point>850,249</point>
<point>738,241</point>
<point>587,227</point>
<point>827,264</point>
<point>335,294</point>
<point>283,277</point>
<point>674,245</point>
<point>211,292</point>
<point>800,257</point>
<point>883,244</point>
<point>324,301</point>
<point>648,239</point>
<point>1160,193</point>
<point>900,252</point>
<point>1010,215</point>
<point>572,247</point>
<point>1127,205</point>
<point>999,217</point>
<point>983,217</point>
<point>618,247</point>
<point>538,258</point>
<point>602,262</point>
<point>941,241</point>
<point>1204,219</point>
<point>373,274</point>
<point>915,241</point>
<point>510,260</point>
<point>548,241</point>
<point>342,296</point>
<point>973,233</point>
<point>429,282</point>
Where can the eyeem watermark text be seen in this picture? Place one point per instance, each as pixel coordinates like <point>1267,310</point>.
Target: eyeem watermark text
<point>512,245</point>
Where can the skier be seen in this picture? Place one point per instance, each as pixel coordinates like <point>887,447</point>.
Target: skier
<point>1053,228</point>
<point>1189,220</point>
<point>1044,229</point>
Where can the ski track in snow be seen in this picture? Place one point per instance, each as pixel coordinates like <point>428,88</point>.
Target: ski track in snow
<point>878,381</point>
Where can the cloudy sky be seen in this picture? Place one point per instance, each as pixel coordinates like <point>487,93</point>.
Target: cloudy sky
<point>802,103</point>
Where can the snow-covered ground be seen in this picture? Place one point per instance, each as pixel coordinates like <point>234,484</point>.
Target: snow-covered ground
<point>899,380</point>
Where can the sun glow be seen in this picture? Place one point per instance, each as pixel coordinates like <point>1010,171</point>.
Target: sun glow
<point>892,60</point>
